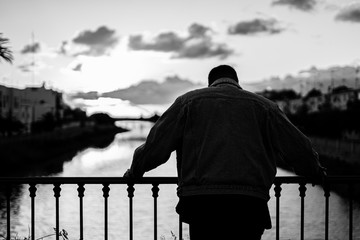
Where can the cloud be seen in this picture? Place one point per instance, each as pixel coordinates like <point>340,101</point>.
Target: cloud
<point>27,67</point>
<point>164,42</point>
<point>349,14</point>
<point>153,92</point>
<point>197,44</point>
<point>198,31</point>
<point>256,26</point>
<point>303,5</point>
<point>63,50</point>
<point>77,68</point>
<point>31,66</point>
<point>97,43</point>
<point>31,48</point>
<point>204,49</point>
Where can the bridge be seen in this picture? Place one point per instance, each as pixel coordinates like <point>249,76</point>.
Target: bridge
<point>153,119</point>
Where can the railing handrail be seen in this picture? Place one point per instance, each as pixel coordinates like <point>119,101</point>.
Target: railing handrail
<point>88,180</point>
<point>162,180</point>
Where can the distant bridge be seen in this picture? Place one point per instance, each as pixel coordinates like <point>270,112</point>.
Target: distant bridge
<point>153,119</point>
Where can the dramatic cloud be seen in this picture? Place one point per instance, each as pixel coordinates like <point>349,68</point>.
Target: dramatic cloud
<point>204,49</point>
<point>350,13</point>
<point>164,42</point>
<point>197,44</point>
<point>153,92</point>
<point>31,48</point>
<point>303,5</point>
<point>97,42</point>
<point>256,26</point>
<point>198,31</point>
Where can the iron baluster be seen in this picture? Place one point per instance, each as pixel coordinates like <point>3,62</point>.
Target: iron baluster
<point>81,190</point>
<point>277,190</point>
<point>131,191</point>
<point>32,190</point>
<point>180,229</point>
<point>155,191</point>
<point>350,212</point>
<point>302,190</point>
<point>57,190</point>
<point>8,211</point>
<point>327,195</point>
<point>106,190</point>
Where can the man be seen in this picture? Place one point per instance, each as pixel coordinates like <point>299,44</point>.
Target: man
<point>228,142</point>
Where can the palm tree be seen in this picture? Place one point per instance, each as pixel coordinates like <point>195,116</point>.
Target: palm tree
<point>5,52</point>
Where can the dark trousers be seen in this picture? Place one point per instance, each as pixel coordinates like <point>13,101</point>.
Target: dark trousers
<point>217,229</point>
<point>215,217</point>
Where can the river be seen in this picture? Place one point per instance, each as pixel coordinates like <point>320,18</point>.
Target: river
<point>114,160</point>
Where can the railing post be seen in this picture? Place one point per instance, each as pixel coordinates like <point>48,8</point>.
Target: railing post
<point>180,228</point>
<point>155,191</point>
<point>106,190</point>
<point>8,211</point>
<point>302,190</point>
<point>7,187</point>
<point>350,212</point>
<point>277,190</point>
<point>131,191</point>
<point>32,190</point>
<point>81,191</point>
<point>57,190</point>
<point>327,195</point>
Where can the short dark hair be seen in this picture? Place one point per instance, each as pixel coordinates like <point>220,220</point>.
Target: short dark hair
<point>221,72</point>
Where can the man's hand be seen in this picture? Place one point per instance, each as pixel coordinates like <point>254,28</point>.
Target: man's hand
<point>128,174</point>
<point>321,177</point>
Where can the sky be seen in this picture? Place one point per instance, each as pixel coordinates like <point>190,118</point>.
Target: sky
<point>91,45</point>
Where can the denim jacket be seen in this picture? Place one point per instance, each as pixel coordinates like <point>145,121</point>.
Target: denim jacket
<point>227,141</point>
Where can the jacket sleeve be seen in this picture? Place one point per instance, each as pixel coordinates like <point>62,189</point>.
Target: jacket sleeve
<point>294,148</point>
<point>162,140</point>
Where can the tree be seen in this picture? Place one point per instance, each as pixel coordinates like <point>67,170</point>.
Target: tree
<point>45,124</point>
<point>10,125</point>
<point>5,52</point>
<point>313,93</point>
<point>280,95</point>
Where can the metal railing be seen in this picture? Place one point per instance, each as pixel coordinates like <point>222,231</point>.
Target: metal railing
<point>57,182</point>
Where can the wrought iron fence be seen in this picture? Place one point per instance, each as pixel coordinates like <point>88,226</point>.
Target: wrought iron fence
<point>57,182</point>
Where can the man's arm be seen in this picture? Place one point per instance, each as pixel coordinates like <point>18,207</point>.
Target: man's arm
<point>294,147</point>
<point>163,139</point>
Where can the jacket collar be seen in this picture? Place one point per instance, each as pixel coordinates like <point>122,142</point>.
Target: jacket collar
<point>225,81</point>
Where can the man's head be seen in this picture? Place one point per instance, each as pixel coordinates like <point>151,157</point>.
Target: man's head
<point>222,71</point>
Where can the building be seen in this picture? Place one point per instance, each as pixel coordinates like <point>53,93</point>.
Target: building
<point>314,103</point>
<point>339,99</point>
<point>295,105</point>
<point>30,104</point>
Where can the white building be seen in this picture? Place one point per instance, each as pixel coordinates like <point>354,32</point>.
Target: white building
<point>314,103</point>
<point>30,104</point>
<point>340,100</point>
<point>295,105</point>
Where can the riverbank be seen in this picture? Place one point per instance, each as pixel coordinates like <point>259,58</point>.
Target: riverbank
<point>45,153</point>
<point>336,166</point>
<point>347,151</point>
